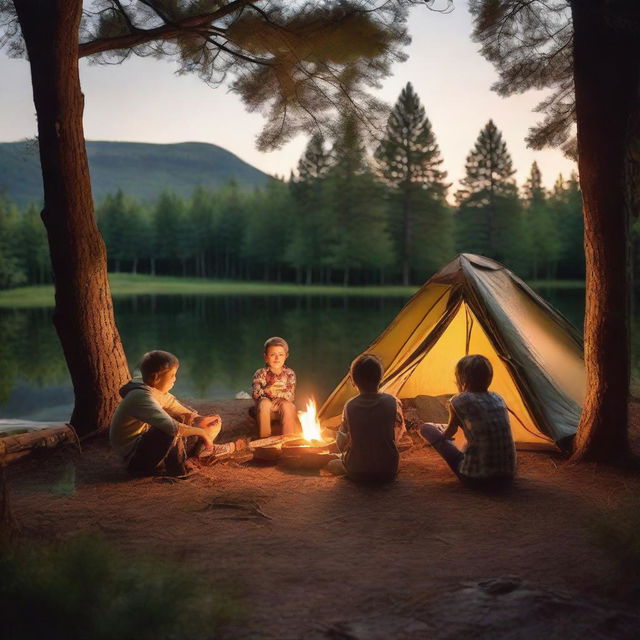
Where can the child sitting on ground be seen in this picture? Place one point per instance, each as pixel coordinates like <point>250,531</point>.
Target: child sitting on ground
<point>274,388</point>
<point>489,458</point>
<point>372,424</point>
<point>151,430</point>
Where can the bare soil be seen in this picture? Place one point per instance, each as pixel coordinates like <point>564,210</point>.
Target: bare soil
<point>310,555</point>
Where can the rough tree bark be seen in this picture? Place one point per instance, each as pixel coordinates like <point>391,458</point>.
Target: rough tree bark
<point>607,85</point>
<point>83,315</point>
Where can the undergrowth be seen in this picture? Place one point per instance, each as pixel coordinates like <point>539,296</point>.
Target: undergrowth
<point>84,589</point>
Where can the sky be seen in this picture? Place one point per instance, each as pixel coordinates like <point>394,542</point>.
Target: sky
<point>143,100</point>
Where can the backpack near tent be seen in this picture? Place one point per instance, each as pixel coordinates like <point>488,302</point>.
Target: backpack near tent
<point>476,305</point>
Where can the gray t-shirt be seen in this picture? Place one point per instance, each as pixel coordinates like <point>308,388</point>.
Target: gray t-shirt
<point>371,425</point>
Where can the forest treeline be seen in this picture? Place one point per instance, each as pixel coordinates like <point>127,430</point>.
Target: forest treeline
<point>354,212</point>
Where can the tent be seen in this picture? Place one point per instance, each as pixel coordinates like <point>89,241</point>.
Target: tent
<point>476,305</point>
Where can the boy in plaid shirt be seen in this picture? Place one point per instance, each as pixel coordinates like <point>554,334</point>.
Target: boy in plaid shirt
<point>490,457</point>
<point>274,389</point>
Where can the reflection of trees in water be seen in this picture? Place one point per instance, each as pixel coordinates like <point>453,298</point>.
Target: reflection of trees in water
<point>29,350</point>
<point>219,338</point>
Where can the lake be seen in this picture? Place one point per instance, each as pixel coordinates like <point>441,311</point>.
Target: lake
<point>217,338</point>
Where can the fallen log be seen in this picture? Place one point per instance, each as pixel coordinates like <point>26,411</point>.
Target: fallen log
<point>15,447</point>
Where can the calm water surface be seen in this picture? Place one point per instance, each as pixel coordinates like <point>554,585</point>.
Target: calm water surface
<point>217,338</point>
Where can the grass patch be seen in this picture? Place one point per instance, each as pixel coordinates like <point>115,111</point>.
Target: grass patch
<point>125,284</point>
<point>83,589</point>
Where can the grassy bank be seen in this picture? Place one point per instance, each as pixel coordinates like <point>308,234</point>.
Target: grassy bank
<point>124,284</point>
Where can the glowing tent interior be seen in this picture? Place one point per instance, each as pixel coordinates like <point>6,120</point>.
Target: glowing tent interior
<point>476,305</point>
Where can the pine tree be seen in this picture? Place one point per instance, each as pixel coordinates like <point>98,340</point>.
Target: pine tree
<point>566,203</point>
<point>543,237</point>
<point>488,218</point>
<point>268,229</point>
<point>312,217</point>
<point>230,228</point>
<point>12,272</point>
<point>114,224</point>
<point>202,217</point>
<point>34,251</point>
<point>171,231</point>
<point>361,239</point>
<point>408,160</point>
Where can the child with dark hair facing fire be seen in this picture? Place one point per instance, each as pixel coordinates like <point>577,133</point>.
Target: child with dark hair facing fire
<point>372,424</point>
<point>489,459</point>
<point>151,431</point>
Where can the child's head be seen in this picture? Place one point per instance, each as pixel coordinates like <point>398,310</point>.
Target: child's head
<point>366,372</point>
<point>276,352</point>
<point>474,373</point>
<point>158,369</point>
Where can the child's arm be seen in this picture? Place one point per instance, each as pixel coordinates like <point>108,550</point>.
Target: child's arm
<point>146,408</point>
<point>188,416</point>
<point>453,424</point>
<point>258,385</point>
<point>179,411</point>
<point>343,436</point>
<point>289,392</point>
<point>399,427</point>
<point>208,432</point>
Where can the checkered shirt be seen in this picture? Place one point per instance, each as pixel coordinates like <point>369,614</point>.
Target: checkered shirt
<point>485,421</point>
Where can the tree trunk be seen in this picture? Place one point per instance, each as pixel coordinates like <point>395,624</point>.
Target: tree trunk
<point>83,314</point>
<point>607,84</point>
<point>406,237</point>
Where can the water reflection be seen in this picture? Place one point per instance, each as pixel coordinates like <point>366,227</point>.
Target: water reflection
<point>218,340</point>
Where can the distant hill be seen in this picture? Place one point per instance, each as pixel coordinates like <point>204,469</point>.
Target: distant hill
<point>141,170</point>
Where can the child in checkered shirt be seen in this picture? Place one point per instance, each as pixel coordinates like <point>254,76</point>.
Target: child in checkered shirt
<point>489,458</point>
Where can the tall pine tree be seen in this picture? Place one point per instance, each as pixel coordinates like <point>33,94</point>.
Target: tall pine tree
<point>361,240</point>
<point>488,219</point>
<point>566,203</point>
<point>312,217</point>
<point>409,160</point>
<point>543,239</point>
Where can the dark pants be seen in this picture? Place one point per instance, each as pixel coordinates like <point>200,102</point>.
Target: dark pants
<point>432,433</point>
<point>157,451</point>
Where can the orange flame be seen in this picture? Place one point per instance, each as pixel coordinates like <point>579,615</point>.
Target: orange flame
<point>311,429</point>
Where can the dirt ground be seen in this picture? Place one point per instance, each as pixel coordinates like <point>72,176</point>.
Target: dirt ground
<point>313,556</point>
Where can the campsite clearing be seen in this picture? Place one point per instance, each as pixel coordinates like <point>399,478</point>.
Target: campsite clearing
<point>307,553</point>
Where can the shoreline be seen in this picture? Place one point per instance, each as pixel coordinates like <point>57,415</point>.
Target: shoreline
<point>125,284</point>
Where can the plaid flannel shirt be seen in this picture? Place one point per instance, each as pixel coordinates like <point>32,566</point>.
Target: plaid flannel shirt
<point>485,421</point>
<point>267,384</point>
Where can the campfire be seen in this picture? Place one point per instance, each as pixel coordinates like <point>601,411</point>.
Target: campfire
<point>311,450</point>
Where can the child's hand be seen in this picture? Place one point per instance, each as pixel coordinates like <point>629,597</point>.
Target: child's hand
<point>209,434</point>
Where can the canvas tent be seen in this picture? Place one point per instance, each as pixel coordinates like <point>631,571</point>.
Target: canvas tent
<point>476,305</point>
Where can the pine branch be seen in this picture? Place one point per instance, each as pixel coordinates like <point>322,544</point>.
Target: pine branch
<point>167,31</point>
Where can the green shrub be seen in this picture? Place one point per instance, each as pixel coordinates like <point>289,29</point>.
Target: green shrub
<point>85,589</point>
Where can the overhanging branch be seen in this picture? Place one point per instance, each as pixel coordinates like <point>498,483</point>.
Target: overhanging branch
<point>163,32</point>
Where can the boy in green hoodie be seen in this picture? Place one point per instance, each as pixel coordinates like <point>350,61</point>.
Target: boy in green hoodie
<point>150,430</point>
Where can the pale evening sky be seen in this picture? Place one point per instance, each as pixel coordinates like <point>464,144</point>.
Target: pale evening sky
<point>143,101</point>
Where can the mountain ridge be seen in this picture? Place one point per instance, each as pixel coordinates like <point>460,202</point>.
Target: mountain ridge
<point>141,169</point>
